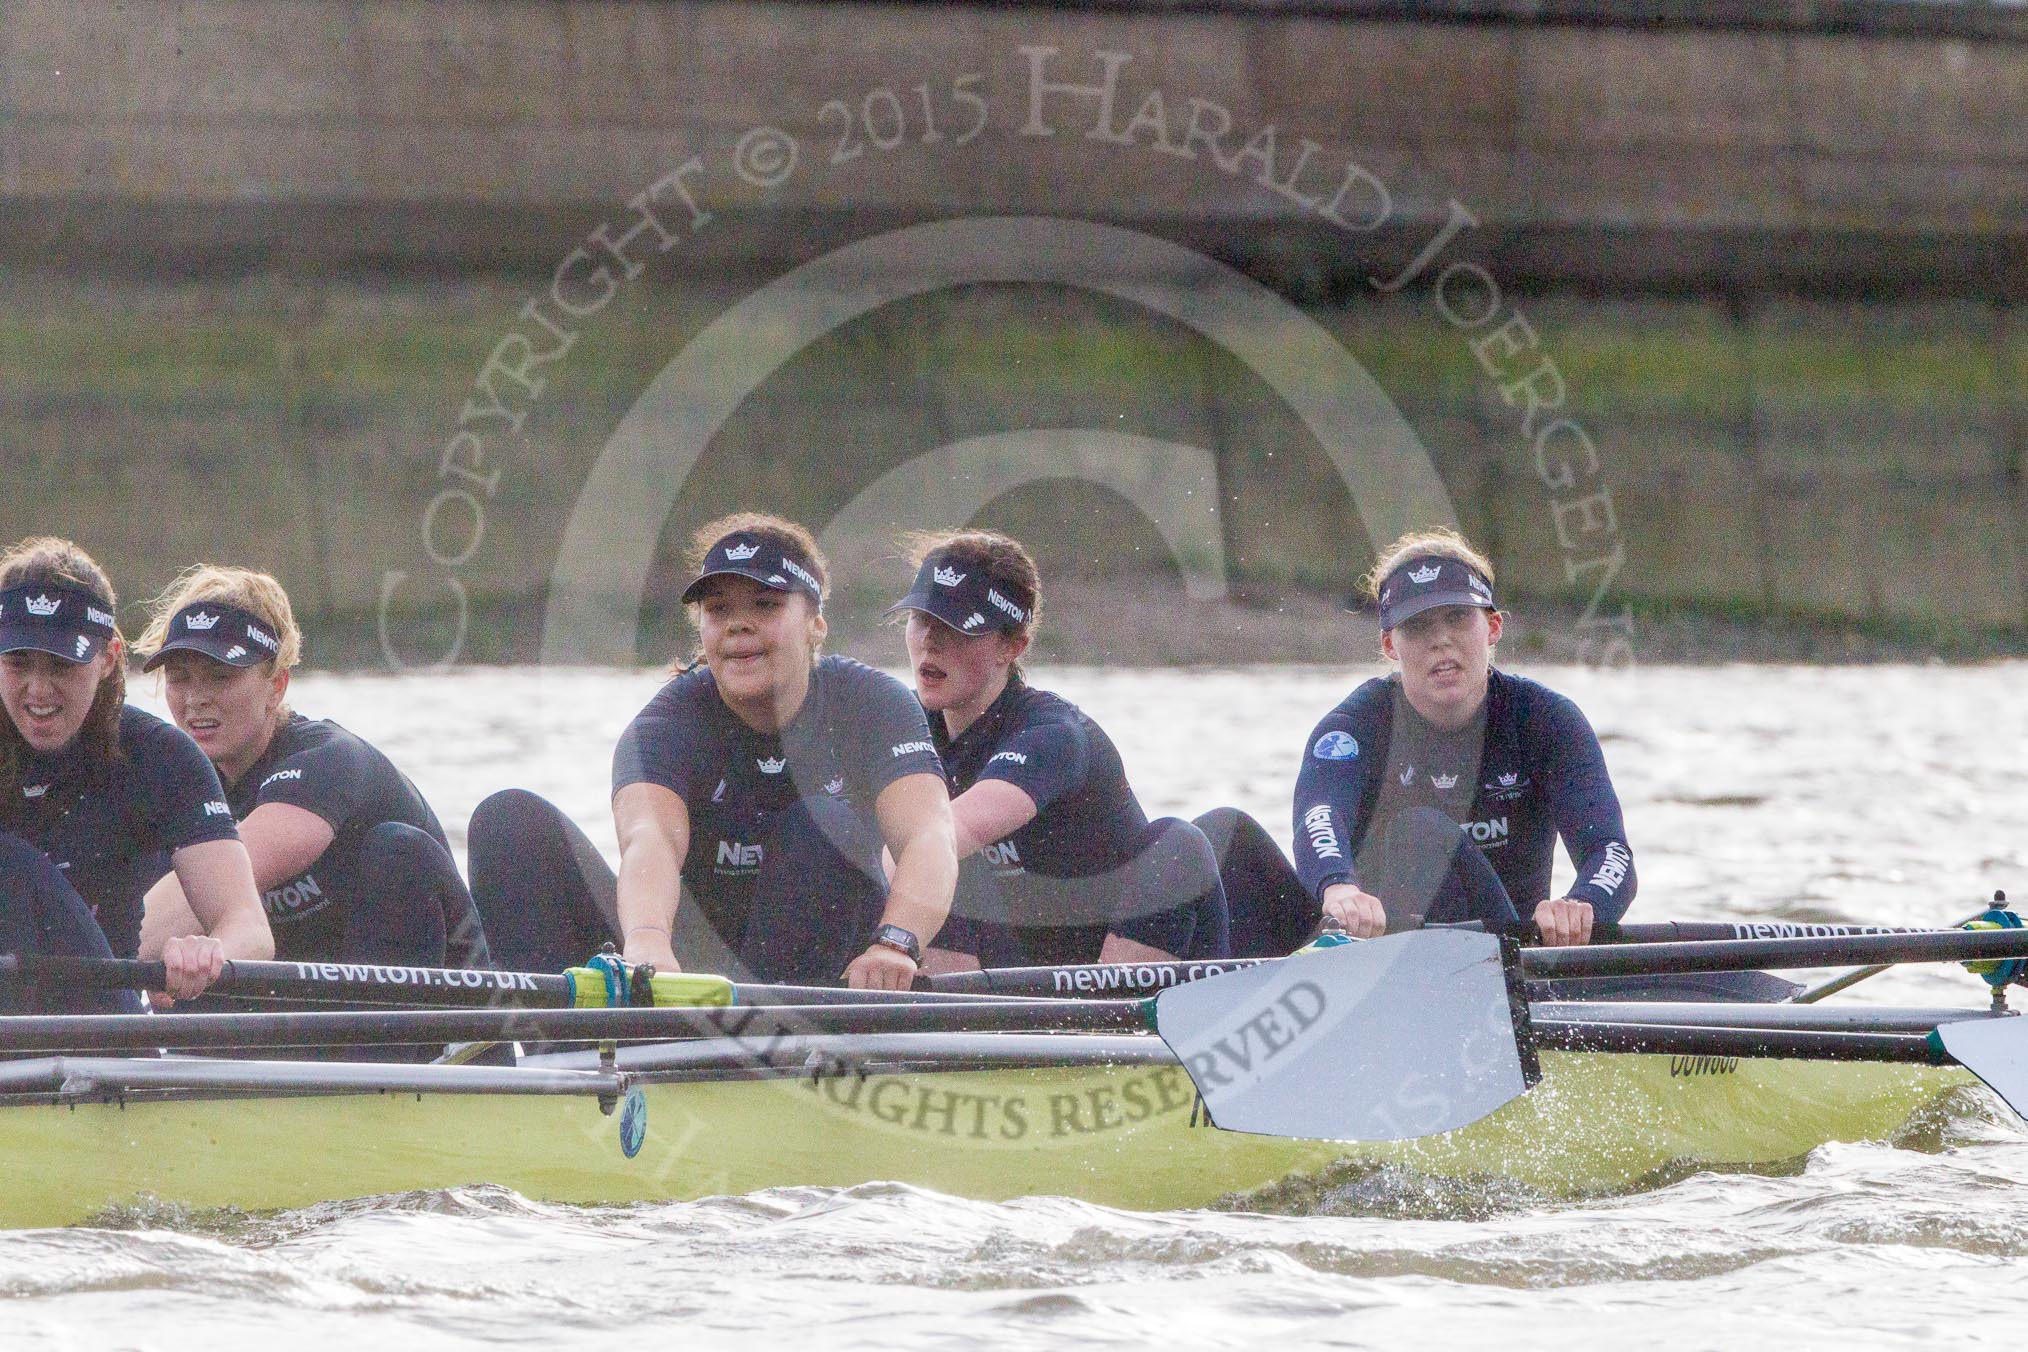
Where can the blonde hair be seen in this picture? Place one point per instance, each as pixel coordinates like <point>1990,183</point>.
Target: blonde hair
<point>779,531</point>
<point>48,560</point>
<point>1441,542</point>
<point>259,594</point>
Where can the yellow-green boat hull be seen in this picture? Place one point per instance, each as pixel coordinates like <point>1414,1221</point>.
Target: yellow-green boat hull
<point>1124,1135</point>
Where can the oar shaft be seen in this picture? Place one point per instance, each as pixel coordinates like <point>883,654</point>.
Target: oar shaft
<point>1085,980</point>
<point>1617,950</point>
<point>1716,931</point>
<point>351,982</point>
<point>1775,1043</point>
<point>1845,980</point>
<point>98,1032</point>
<point>1746,954</point>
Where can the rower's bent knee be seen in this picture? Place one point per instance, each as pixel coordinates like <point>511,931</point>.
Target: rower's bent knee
<point>508,815</point>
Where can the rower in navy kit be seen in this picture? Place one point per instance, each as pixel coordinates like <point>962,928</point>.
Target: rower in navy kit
<point>1440,791</point>
<point>351,862</point>
<point>760,785</point>
<point>94,792</point>
<point>1059,862</point>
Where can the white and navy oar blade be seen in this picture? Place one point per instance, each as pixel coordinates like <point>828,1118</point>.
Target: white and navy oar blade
<point>1405,1036</point>
<point>1995,1050</point>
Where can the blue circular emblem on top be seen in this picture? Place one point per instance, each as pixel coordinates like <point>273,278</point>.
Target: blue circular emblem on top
<point>1335,745</point>
<point>633,1122</point>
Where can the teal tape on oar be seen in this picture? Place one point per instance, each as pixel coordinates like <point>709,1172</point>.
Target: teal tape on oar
<point>1998,973</point>
<point>618,981</point>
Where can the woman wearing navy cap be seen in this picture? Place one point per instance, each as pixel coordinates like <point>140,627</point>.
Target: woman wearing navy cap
<point>1441,791</point>
<point>351,862</point>
<point>759,787</point>
<point>93,792</point>
<point>1060,864</point>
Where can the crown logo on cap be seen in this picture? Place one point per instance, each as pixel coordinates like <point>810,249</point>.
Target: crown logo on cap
<point>1507,781</point>
<point>948,577</point>
<point>741,553</point>
<point>1444,781</point>
<point>200,620</point>
<point>772,765</point>
<point>1424,576</point>
<point>44,606</point>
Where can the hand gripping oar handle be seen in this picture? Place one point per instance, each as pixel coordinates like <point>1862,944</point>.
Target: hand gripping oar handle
<point>355,983</point>
<point>115,1032</point>
<point>1655,954</point>
<point>1396,1038</point>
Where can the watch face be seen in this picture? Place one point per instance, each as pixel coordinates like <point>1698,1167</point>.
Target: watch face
<point>894,936</point>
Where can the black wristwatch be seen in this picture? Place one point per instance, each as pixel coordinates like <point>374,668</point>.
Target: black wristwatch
<point>901,941</point>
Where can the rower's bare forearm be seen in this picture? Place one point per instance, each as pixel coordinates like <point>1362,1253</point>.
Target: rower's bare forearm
<point>654,831</point>
<point>925,877</point>
<point>165,914</point>
<point>217,881</point>
<point>246,937</point>
<point>648,886</point>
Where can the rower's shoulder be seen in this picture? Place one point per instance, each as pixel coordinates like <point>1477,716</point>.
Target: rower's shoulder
<point>1030,705</point>
<point>143,736</point>
<point>1529,697</point>
<point>848,677</point>
<point>164,755</point>
<point>305,734</point>
<point>1534,714</point>
<point>687,686</point>
<point>326,743</point>
<point>1371,698</point>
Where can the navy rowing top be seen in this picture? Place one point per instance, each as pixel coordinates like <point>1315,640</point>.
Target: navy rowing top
<point>320,767</point>
<point>858,731</point>
<point>1087,819</point>
<point>1527,771</point>
<point>106,823</point>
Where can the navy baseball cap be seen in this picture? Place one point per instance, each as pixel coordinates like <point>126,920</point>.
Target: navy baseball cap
<point>761,559</point>
<point>1428,581</point>
<point>224,633</point>
<point>962,597</point>
<point>67,622</point>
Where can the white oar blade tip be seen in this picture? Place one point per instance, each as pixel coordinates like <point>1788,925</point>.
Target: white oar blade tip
<point>1396,1038</point>
<point>1995,1050</point>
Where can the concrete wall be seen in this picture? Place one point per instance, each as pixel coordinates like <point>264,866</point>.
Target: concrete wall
<point>255,259</point>
<point>1854,143</point>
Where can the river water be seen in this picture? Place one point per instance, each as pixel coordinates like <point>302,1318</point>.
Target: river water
<point>1880,794</point>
